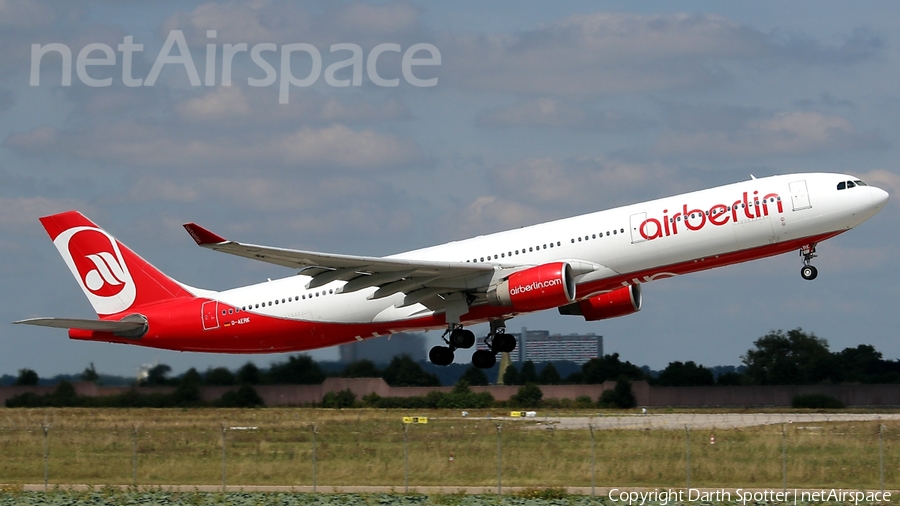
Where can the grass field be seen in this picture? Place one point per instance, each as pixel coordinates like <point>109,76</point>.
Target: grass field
<point>365,447</point>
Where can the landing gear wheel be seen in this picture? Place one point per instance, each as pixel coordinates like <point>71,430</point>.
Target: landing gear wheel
<point>462,338</point>
<point>809,273</point>
<point>483,359</point>
<point>441,355</point>
<point>503,343</point>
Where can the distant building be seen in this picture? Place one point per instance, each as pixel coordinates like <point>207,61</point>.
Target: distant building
<point>540,346</point>
<point>381,350</point>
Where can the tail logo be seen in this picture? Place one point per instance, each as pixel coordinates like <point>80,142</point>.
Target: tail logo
<point>95,260</point>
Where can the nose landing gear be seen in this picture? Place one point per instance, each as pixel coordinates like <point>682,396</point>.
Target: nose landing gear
<point>808,252</point>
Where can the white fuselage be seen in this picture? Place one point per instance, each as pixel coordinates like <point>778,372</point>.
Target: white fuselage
<point>649,237</point>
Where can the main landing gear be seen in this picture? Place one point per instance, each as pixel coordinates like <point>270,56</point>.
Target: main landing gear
<point>808,272</point>
<point>456,337</point>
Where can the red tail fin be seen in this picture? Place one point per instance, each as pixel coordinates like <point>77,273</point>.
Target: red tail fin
<point>114,278</point>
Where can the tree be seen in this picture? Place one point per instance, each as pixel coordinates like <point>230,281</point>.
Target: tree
<point>795,358</point>
<point>621,396</point>
<point>219,376</point>
<point>403,372</point>
<point>511,375</point>
<point>730,379</point>
<point>248,374</point>
<point>27,377</point>
<point>298,370</point>
<point>549,375</point>
<point>598,370</point>
<point>687,374</point>
<point>157,376</point>
<point>528,396</point>
<point>474,376</point>
<point>528,373</point>
<point>862,364</point>
<point>191,377</point>
<point>90,374</point>
<point>361,369</point>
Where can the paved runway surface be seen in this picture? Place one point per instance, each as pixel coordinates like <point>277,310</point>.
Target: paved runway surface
<point>696,420</point>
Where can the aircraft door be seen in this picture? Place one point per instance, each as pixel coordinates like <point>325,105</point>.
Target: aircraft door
<point>210,315</point>
<point>799,195</point>
<point>636,220</point>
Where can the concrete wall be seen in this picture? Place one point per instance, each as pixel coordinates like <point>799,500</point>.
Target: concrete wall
<point>646,395</point>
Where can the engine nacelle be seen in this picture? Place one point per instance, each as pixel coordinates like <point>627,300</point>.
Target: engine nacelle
<point>542,287</point>
<point>619,302</point>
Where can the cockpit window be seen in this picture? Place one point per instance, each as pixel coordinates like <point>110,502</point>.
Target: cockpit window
<point>850,184</point>
<point>860,183</point>
<point>842,185</point>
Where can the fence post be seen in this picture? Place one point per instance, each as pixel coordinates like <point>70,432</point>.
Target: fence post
<point>314,463</point>
<point>881,455</point>
<point>783,458</point>
<point>46,428</point>
<point>223,457</point>
<point>499,463</point>
<point>687,454</point>
<point>134,441</point>
<point>405,458</point>
<point>593,458</point>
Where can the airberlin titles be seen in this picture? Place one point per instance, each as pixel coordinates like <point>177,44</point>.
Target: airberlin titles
<point>717,215</point>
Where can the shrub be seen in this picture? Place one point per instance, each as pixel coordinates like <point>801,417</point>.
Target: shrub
<point>528,396</point>
<point>339,400</point>
<point>620,397</point>
<point>816,401</point>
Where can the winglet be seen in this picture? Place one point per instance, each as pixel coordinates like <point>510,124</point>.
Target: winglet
<point>202,236</point>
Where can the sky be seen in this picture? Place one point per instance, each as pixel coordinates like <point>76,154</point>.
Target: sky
<point>501,115</point>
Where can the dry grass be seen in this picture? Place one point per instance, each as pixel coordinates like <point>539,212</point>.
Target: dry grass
<point>365,447</point>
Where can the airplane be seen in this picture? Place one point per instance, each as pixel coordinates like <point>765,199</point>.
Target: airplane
<point>591,266</point>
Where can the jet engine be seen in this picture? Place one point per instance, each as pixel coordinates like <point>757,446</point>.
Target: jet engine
<point>619,302</point>
<point>536,288</point>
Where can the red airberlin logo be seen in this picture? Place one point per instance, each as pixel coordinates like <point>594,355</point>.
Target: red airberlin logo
<point>745,208</point>
<point>534,285</point>
<point>97,263</point>
<point>101,270</point>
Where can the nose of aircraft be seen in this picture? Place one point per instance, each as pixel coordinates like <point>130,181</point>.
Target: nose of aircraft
<point>879,197</point>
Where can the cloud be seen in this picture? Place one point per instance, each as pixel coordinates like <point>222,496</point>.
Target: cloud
<point>253,106</point>
<point>283,22</point>
<point>137,144</point>
<point>20,214</point>
<point>25,15</point>
<point>156,189</point>
<point>222,103</point>
<point>584,184</point>
<point>608,53</point>
<point>491,213</point>
<point>554,113</point>
<point>884,179</point>
<point>6,100</point>
<point>731,131</point>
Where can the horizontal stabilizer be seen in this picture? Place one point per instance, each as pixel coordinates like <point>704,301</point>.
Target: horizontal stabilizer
<point>133,328</point>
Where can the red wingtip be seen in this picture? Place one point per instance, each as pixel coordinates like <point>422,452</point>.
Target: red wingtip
<point>203,236</point>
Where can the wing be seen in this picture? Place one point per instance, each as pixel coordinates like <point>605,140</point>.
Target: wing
<point>426,282</point>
